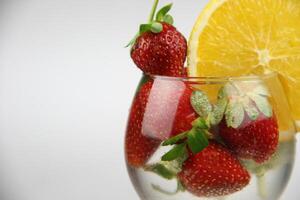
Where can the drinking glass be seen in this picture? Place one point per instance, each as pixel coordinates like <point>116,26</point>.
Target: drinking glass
<point>165,107</point>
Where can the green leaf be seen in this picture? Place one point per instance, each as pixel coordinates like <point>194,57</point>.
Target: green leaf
<point>234,114</point>
<point>178,151</point>
<point>176,165</point>
<point>219,111</point>
<point>231,89</point>
<point>222,93</point>
<point>180,186</point>
<point>252,112</point>
<point>175,139</point>
<point>261,90</point>
<point>197,140</point>
<point>200,103</point>
<point>162,12</point>
<point>145,28</point>
<point>161,170</point>
<point>219,108</point>
<point>263,105</point>
<point>168,19</point>
<point>132,41</point>
<point>200,123</point>
<point>168,169</point>
<point>156,27</point>
<point>250,109</point>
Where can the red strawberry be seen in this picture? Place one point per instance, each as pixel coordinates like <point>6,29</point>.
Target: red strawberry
<point>185,72</point>
<point>213,172</point>
<point>161,109</point>
<point>139,147</point>
<point>257,140</point>
<point>158,48</point>
<point>169,111</point>
<point>161,53</point>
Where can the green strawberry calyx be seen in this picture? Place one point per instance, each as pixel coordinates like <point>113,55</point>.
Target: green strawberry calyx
<point>155,20</point>
<point>243,99</point>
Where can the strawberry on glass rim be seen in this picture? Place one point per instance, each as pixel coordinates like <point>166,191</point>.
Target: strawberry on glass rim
<point>158,48</point>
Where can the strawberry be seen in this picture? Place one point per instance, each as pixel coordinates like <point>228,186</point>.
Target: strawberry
<point>213,172</point>
<point>162,53</point>
<point>139,147</point>
<point>257,140</point>
<point>158,48</point>
<point>169,111</point>
<point>249,126</point>
<point>185,72</point>
<point>160,110</point>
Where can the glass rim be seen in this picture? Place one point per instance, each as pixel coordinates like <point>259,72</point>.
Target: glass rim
<point>216,78</point>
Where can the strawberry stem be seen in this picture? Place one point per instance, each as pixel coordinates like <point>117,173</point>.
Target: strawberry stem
<point>150,21</point>
<point>153,11</point>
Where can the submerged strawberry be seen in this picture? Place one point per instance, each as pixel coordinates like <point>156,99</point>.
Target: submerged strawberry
<point>169,111</point>
<point>158,48</point>
<point>160,110</point>
<point>258,140</point>
<point>213,172</point>
<point>138,146</point>
<point>249,127</point>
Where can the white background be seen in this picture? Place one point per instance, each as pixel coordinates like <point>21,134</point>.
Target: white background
<point>66,84</point>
